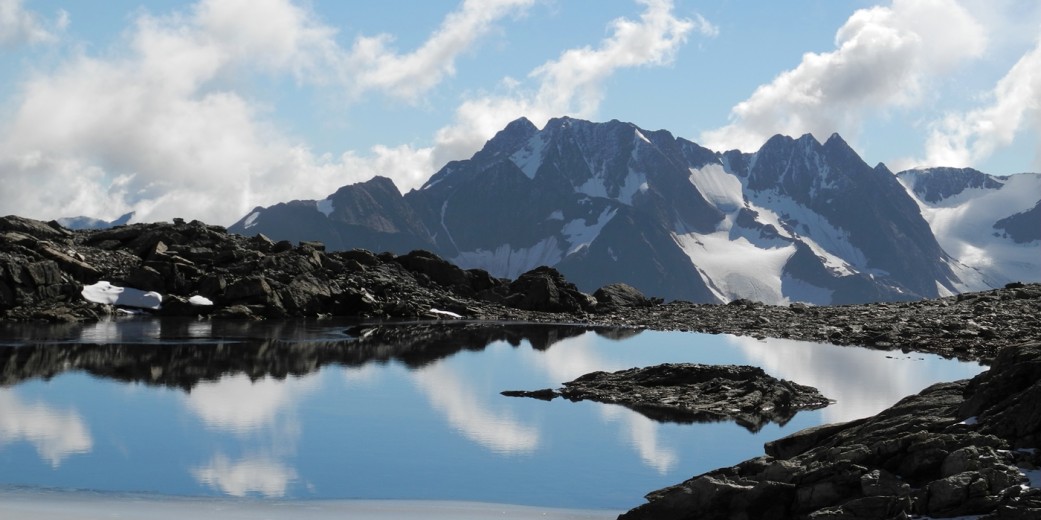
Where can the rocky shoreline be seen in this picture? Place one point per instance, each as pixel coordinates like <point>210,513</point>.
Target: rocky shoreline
<point>957,448</point>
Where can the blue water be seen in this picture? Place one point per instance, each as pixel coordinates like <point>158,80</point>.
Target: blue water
<point>435,429</point>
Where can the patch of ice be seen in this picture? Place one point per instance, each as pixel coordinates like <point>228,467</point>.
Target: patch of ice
<point>324,206</point>
<point>200,301</point>
<point>445,313</point>
<point>108,294</point>
<point>251,220</point>
<point>971,421</point>
<point>556,215</point>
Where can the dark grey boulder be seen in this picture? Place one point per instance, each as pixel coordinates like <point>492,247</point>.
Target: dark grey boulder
<point>620,295</point>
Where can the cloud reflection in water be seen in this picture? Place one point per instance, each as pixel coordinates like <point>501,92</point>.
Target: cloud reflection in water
<point>260,475</point>
<point>579,355</point>
<point>56,434</point>
<point>863,381</point>
<point>458,401</point>
<point>237,404</point>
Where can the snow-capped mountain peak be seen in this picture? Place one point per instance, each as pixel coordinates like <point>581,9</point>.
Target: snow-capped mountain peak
<point>796,220</point>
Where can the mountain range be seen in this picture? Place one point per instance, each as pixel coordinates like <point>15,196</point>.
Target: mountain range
<point>796,221</point>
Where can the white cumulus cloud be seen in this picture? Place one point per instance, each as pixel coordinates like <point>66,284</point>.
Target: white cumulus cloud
<point>964,139</point>
<point>164,123</point>
<point>19,26</point>
<point>572,84</point>
<point>885,57</point>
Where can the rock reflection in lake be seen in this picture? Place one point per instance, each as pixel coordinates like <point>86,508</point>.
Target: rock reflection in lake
<point>182,353</point>
<point>333,410</point>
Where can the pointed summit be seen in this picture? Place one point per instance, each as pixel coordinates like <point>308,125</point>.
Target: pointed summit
<point>508,140</point>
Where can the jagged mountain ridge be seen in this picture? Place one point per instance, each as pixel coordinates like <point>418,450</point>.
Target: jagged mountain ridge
<point>798,220</point>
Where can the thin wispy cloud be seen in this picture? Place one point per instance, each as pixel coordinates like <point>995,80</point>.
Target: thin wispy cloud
<point>408,76</point>
<point>573,83</point>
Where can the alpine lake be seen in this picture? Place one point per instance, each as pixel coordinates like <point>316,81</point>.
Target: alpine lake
<point>309,411</point>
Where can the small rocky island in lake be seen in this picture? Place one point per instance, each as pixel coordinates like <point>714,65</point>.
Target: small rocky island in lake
<point>686,392</point>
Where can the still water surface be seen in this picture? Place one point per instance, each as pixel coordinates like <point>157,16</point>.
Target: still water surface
<point>308,410</point>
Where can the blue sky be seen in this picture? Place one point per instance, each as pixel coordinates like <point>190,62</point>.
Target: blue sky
<point>206,109</point>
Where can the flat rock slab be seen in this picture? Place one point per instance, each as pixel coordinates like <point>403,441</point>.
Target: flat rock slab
<point>688,393</point>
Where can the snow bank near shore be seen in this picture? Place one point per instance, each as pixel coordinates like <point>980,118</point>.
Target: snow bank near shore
<point>73,505</point>
<point>106,293</point>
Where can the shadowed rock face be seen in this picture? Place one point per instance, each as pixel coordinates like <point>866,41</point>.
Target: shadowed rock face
<point>953,450</point>
<point>44,267</point>
<point>687,393</point>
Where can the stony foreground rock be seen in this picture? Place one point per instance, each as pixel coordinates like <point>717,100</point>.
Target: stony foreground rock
<point>686,392</point>
<point>44,267</point>
<point>955,449</point>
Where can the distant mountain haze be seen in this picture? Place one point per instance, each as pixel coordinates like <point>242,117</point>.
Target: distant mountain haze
<point>796,221</point>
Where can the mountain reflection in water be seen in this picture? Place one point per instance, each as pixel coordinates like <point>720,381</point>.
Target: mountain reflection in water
<point>328,409</point>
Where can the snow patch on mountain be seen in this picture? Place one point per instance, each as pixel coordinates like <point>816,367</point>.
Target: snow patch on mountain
<point>579,234</point>
<point>800,222</point>
<point>721,189</point>
<point>251,220</point>
<point>964,227</point>
<point>737,268</point>
<point>325,206</point>
<point>529,158</point>
<point>505,261</point>
<point>596,186</point>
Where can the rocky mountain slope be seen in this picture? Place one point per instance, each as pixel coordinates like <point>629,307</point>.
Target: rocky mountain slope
<point>798,220</point>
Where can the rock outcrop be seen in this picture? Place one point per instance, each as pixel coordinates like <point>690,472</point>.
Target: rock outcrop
<point>688,393</point>
<point>44,267</point>
<point>955,449</point>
